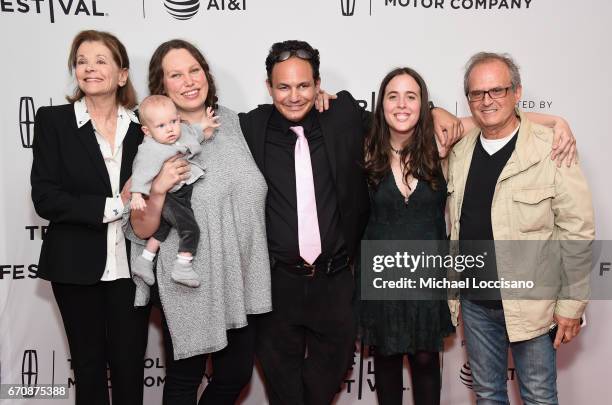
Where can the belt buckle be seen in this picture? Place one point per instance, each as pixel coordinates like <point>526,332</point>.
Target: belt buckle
<point>311,268</point>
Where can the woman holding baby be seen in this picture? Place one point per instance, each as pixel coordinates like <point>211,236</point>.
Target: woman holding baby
<point>231,260</point>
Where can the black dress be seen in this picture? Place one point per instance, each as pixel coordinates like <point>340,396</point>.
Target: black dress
<point>406,326</point>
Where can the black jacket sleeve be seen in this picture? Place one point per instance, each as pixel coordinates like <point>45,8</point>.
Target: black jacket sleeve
<point>53,196</point>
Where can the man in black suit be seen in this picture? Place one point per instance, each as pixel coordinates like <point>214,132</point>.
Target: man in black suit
<point>316,211</point>
<point>305,345</point>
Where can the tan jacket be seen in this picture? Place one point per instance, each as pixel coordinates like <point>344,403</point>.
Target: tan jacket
<point>533,200</point>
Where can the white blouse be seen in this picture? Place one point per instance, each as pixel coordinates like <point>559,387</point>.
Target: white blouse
<point>116,255</point>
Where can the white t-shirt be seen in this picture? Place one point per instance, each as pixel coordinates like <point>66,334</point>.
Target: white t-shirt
<point>494,145</point>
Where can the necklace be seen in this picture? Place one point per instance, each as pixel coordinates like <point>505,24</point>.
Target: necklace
<point>397,151</point>
<point>412,184</point>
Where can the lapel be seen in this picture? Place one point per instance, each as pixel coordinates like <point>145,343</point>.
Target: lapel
<point>259,126</point>
<point>461,167</point>
<point>132,139</point>
<point>88,140</point>
<point>329,138</point>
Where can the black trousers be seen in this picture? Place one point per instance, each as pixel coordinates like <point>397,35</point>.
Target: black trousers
<point>305,346</point>
<point>232,370</point>
<point>103,328</point>
<point>177,213</point>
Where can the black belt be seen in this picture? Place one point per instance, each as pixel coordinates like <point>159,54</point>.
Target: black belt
<point>327,267</point>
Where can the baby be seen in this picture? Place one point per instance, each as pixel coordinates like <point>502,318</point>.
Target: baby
<point>165,137</point>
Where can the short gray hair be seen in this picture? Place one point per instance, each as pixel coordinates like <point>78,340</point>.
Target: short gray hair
<point>482,57</point>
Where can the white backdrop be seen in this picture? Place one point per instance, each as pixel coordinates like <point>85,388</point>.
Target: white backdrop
<point>561,45</point>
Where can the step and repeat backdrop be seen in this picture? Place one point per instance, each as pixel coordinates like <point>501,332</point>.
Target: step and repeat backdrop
<point>562,47</point>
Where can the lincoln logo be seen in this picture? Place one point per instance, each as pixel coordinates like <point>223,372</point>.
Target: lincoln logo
<point>348,7</point>
<point>29,368</point>
<point>26,121</point>
<point>182,9</point>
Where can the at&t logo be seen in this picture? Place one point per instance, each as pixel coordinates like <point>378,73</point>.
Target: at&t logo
<point>182,10</point>
<point>186,9</point>
<point>465,375</point>
<point>66,7</point>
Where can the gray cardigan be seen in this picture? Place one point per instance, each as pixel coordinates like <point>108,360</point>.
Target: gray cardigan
<point>232,259</point>
<point>152,155</point>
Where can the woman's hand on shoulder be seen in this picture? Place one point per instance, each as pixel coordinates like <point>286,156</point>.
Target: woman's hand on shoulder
<point>448,128</point>
<point>322,100</point>
<point>564,144</point>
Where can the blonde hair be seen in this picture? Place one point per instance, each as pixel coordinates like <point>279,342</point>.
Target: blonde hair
<point>155,100</point>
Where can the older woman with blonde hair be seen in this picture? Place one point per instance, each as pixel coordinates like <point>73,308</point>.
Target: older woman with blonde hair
<point>83,153</point>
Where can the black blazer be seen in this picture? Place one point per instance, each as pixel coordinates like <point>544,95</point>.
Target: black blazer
<point>70,185</point>
<point>344,126</point>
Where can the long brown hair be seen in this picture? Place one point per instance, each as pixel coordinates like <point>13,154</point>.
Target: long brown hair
<point>126,95</point>
<point>156,72</point>
<point>419,156</point>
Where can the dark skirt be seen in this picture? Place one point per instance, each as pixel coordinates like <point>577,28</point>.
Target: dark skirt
<point>411,325</point>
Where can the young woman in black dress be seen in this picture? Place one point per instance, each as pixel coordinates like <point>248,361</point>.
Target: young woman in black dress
<point>408,196</point>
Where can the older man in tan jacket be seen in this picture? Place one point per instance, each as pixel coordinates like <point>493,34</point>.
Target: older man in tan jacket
<point>503,186</point>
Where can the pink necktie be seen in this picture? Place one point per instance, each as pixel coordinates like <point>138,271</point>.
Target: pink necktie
<point>308,223</point>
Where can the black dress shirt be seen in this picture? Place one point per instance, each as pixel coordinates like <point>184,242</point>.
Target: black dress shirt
<point>281,206</point>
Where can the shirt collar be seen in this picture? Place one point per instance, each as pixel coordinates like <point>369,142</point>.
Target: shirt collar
<point>82,115</point>
<point>277,120</point>
<point>501,140</point>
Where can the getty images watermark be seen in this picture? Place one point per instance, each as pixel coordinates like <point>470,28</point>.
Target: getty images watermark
<point>430,263</point>
<point>485,270</point>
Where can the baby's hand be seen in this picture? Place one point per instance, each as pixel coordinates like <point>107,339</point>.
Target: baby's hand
<point>210,121</point>
<point>138,203</point>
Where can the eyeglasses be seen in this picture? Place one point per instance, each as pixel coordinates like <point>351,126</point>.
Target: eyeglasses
<point>497,92</point>
<point>300,53</point>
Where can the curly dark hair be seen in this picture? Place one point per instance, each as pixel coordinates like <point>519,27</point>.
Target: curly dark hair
<point>419,156</point>
<point>156,72</point>
<point>292,46</point>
